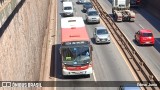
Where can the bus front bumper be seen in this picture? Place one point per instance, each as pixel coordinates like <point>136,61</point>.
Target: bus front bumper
<point>80,72</point>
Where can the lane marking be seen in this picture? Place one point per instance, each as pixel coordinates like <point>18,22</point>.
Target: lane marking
<point>94,76</point>
<point>141,26</point>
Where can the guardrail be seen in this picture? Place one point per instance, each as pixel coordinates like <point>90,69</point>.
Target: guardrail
<point>142,71</point>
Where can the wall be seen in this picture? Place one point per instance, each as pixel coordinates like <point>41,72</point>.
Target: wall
<point>21,38</point>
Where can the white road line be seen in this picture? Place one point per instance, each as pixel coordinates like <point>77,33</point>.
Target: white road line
<point>94,76</point>
<point>141,26</point>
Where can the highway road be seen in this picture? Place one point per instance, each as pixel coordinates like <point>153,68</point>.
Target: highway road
<point>109,63</point>
<point>150,54</point>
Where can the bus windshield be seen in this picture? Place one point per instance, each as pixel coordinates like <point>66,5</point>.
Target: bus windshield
<point>76,55</point>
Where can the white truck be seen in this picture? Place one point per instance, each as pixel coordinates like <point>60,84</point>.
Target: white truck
<point>121,10</point>
<point>68,9</point>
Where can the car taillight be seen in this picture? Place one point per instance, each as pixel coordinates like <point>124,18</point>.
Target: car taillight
<point>150,37</point>
<point>153,40</point>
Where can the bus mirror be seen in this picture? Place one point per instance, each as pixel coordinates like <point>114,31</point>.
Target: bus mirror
<point>91,48</point>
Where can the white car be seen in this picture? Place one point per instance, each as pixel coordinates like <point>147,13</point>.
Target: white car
<point>101,35</point>
<point>68,9</point>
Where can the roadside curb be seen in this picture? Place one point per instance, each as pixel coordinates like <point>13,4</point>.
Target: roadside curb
<point>48,42</point>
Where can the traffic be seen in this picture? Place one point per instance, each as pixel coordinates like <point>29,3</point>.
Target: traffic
<point>104,38</point>
<point>80,44</point>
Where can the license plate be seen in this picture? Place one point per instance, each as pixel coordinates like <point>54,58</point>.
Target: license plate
<point>79,72</point>
<point>147,42</point>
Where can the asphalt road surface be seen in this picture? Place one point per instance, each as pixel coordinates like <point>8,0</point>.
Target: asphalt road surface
<point>109,65</point>
<point>150,54</point>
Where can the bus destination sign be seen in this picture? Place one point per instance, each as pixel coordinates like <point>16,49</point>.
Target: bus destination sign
<point>76,43</point>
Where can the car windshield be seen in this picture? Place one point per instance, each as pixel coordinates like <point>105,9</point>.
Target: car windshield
<point>76,55</point>
<point>92,13</point>
<point>67,8</point>
<point>102,31</point>
<point>147,34</point>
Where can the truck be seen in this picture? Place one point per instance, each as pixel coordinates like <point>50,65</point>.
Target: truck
<point>75,49</point>
<point>121,11</point>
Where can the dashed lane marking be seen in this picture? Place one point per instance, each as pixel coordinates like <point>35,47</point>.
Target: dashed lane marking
<point>141,26</point>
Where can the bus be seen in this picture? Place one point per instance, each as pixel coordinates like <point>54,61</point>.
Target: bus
<point>75,50</point>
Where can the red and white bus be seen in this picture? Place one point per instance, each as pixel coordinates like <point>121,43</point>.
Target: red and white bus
<point>75,50</point>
